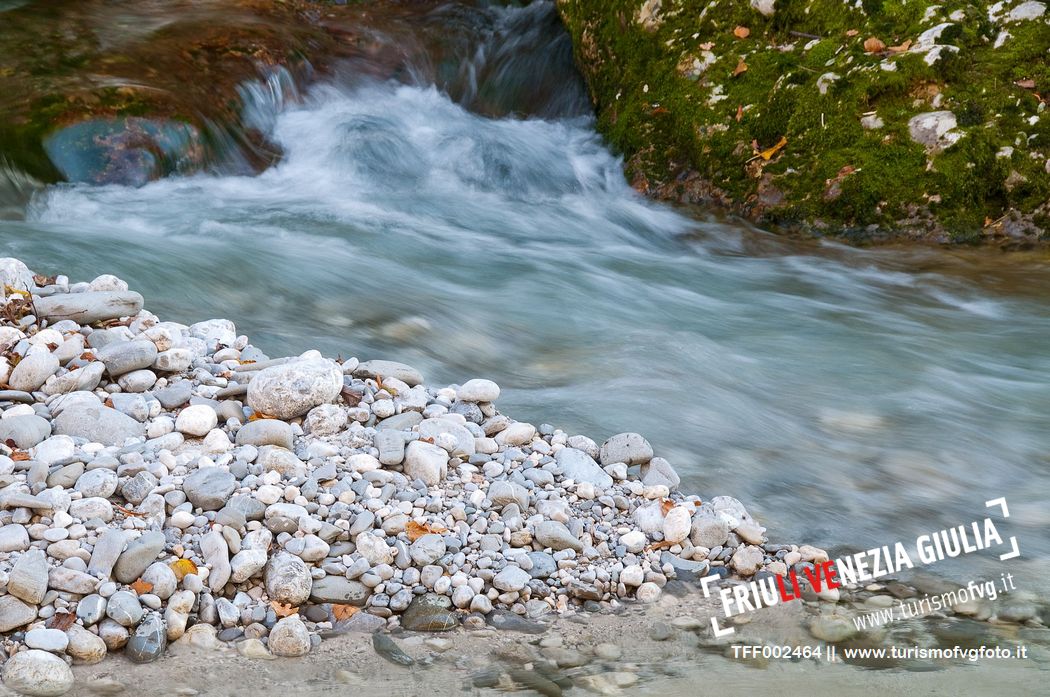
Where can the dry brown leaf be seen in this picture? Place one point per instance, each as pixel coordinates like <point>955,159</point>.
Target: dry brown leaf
<point>706,46</point>
<point>666,505</point>
<point>19,456</point>
<point>283,610</point>
<point>741,32</point>
<point>128,511</point>
<point>852,32</point>
<point>901,48</point>
<point>873,45</point>
<point>141,587</point>
<point>183,567</point>
<point>17,291</point>
<point>42,280</point>
<point>415,531</point>
<point>770,152</point>
<point>739,113</point>
<point>741,67</point>
<point>662,544</point>
<point>344,612</point>
<point>246,362</point>
<point>258,415</point>
<point>61,621</point>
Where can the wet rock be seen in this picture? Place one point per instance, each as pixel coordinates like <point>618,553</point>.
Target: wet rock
<point>388,649</point>
<point>149,640</point>
<point>429,613</point>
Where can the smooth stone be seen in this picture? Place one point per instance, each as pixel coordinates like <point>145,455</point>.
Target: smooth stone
<point>287,579</point>
<point>630,448</point>
<point>580,467</point>
<point>478,390</point>
<point>196,420</point>
<point>209,488</point>
<point>91,609</point>
<point>149,640</point>
<point>107,550</point>
<point>709,531</point>
<point>389,369</point>
<point>426,462</point>
<point>341,590</point>
<point>88,307</point>
<point>28,578</point>
<point>551,533</point>
<point>25,431</point>
<point>33,370</point>
<point>99,482</point>
<point>70,580</point>
<point>659,471</point>
<point>427,549</point>
<point>429,613</point>
<point>266,432</point>
<point>13,538</point>
<point>289,638</point>
<point>98,424</point>
<point>502,493</point>
<point>832,628</point>
<point>391,447</point>
<point>121,357</point>
<point>138,555</point>
<point>124,608</point>
<point>53,640</point>
<point>38,674</point>
<point>86,648</point>
<point>292,389</point>
<point>216,552</point>
<point>14,613</point>
<point>511,578</point>
<point>511,622</point>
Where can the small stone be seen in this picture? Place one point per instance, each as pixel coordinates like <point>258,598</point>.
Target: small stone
<point>429,613</point>
<point>121,357</point>
<point>28,578</point>
<point>138,555</point>
<point>551,533</point>
<point>709,531</point>
<point>340,590</point>
<point>511,578</point>
<point>478,390</point>
<point>648,592</point>
<point>53,640</point>
<point>747,560</point>
<point>196,420</point>
<point>581,467</point>
<point>634,541</point>
<point>427,549</point>
<point>677,524</point>
<point>389,369</point>
<point>209,488</point>
<point>832,628</point>
<point>149,640</point>
<point>266,432</point>
<point>37,673</point>
<point>85,647</point>
<point>25,431</point>
<point>13,538</point>
<point>505,492</point>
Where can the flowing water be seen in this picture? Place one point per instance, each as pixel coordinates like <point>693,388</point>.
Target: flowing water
<point>849,397</point>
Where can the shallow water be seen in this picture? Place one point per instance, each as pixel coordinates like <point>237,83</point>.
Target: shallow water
<point>850,398</point>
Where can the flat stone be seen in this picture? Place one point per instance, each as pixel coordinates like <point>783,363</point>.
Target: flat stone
<point>580,467</point>
<point>98,424</point>
<point>28,578</point>
<point>14,613</point>
<point>62,578</point>
<point>389,369</point>
<point>429,613</point>
<point>89,307</point>
<point>209,488</point>
<point>13,538</point>
<point>107,550</point>
<point>31,372</point>
<point>138,555</point>
<point>630,448</point>
<point>122,357</point>
<point>341,590</point>
<point>551,533</point>
<point>266,432</point>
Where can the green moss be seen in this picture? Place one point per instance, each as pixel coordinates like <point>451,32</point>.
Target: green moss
<point>678,128</point>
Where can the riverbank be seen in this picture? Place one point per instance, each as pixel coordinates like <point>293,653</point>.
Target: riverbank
<point>884,122</point>
<point>160,476</point>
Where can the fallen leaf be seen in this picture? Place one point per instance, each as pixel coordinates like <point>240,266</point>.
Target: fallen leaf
<point>61,621</point>
<point>42,281</point>
<point>741,32</point>
<point>770,152</point>
<point>141,587</point>
<point>344,612</point>
<point>246,362</point>
<point>283,610</point>
<point>17,291</point>
<point>352,397</point>
<point>901,48</point>
<point>666,505</point>
<point>183,567</point>
<point>739,113</point>
<point>19,456</point>
<point>873,45</point>
<point>741,67</point>
<point>662,544</point>
<point>706,46</point>
<point>852,32</point>
<point>128,511</point>
<point>415,530</point>
<point>1028,84</point>
<point>258,416</point>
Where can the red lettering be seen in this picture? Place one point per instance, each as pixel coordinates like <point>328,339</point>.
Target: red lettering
<point>831,574</point>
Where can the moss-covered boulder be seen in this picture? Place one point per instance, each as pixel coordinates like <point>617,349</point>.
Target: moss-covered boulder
<point>870,120</point>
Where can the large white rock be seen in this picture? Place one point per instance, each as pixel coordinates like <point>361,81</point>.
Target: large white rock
<point>38,673</point>
<point>292,389</point>
<point>426,462</point>
<point>196,420</point>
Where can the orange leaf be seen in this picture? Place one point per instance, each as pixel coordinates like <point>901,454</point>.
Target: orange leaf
<point>770,152</point>
<point>741,67</point>
<point>739,113</point>
<point>902,47</point>
<point>20,456</point>
<point>344,612</point>
<point>873,45</point>
<point>141,587</point>
<point>258,415</point>
<point>741,32</point>
<point>283,610</point>
<point>852,32</point>
<point>666,505</point>
<point>182,568</point>
<point>415,531</point>
<point>662,544</point>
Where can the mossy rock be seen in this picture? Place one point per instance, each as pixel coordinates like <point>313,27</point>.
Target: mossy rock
<point>874,120</point>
